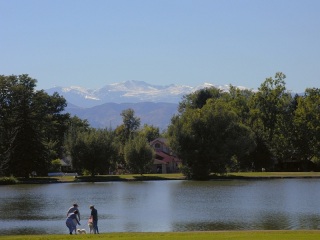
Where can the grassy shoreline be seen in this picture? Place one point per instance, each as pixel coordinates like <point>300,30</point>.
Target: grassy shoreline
<point>159,177</point>
<point>217,235</point>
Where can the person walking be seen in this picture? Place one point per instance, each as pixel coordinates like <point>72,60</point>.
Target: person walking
<point>72,221</point>
<point>72,209</point>
<point>94,218</point>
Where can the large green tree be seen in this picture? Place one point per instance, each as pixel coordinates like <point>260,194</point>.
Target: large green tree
<point>138,155</point>
<point>199,98</point>
<point>271,118</point>
<point>125,132</point>
<point>306,139</point>
<point>130,123</point>
<point>32,126</point>
<point>209,139</point>
<point>149,132</point>
<point>93,151</point>
<point>269,103</point>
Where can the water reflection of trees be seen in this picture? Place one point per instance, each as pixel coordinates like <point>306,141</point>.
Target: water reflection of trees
<point>206,226</point>
<point>25,206</point>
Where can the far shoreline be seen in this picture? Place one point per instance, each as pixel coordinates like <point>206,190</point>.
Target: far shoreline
<point>165,177</point>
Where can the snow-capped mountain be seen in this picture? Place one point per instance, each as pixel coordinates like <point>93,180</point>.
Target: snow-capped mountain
<point>102,107</point>
<point>125,92</point>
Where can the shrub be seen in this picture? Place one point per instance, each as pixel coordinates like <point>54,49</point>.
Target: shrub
<point>8,180</point>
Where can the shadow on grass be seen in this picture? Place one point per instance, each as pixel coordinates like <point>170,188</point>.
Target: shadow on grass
<point>228,176</point>
<point>110,178</point>
<point>38,180</point>
<point>122,178</point>
<point>146,178</point>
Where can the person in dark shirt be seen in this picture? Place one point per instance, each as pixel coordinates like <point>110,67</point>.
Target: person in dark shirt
<point>94,218</point>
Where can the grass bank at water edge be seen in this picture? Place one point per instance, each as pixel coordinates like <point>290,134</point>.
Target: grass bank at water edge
<point>219,235</point>
<point>154,177</point>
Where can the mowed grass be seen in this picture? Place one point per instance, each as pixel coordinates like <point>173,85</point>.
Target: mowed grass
<point>275,174</point>
<point>169,176</point>
<point>105,178</point>
<point>154,177</point>
<point>220,235</point>
<point>179,176</point>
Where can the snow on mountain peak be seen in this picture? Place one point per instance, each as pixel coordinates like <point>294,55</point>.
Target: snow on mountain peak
<point>129,91</point>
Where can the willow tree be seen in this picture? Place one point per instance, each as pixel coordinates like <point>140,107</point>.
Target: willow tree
<point>93,151</point>
<point>209,139</point>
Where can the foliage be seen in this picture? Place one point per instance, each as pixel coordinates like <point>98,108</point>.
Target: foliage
<point>124,133</point>
<point>208,138</point>
<point>92,151</point>
<point>75,127</point>
<point>199,98</point>
<point>8,180</point>
<point>130,123</point>
<point>243,130</point>
<point>214,132</point>
<point>138,155</point>
<point>307,125</point>
<point>55,165</point>
<point>271,113</point>
<point>149,132</point>
<point>32,126</point>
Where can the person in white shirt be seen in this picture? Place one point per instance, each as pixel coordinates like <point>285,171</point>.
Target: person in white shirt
<point>72,209</point>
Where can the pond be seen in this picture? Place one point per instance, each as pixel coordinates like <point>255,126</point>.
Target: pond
<point>163,206</point>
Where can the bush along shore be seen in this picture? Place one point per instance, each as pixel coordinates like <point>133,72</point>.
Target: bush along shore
<point>154,177</point>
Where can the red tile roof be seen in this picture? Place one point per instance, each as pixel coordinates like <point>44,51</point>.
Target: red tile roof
<point>165,157</point>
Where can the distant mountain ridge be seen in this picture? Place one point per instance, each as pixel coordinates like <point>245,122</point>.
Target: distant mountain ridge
<point>129,91</point>
<point>153,104</point>
<point>108,115</point>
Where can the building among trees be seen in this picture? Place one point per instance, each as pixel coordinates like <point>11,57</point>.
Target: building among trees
<point>165,160</point>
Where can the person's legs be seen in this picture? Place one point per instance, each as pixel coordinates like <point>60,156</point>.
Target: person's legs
<point>95,227</point>
<point>69,225</point>
<point>74,228</point>
<point>75,225</point>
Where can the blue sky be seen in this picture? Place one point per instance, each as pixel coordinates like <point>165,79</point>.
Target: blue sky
<point>92,43</point>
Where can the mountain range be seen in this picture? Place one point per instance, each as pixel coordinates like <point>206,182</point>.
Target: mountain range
<point>153,104</point>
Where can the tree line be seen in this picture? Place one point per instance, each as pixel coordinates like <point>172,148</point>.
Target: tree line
<point>246,130</point>
<point>36,132</point>
<point>214,132</point>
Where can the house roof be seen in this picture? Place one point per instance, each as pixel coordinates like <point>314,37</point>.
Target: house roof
<point>166,157</point>
<point>162,140</point>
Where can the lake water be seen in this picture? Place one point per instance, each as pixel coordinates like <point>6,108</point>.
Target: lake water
<point>163,206</point>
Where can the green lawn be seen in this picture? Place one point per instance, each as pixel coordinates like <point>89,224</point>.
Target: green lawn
<point>219,235</point>
<point>174,176</point>
<point>275,174</point>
